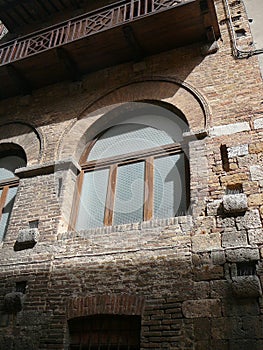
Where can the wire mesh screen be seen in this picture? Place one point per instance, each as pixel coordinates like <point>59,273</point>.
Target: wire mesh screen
<point>9,164</point>
<point>7,210</point>
<point>129,194</point>
<point>93,199</point>
<point>105,332</point>
<point>126,138</point>
<point>169,186</point>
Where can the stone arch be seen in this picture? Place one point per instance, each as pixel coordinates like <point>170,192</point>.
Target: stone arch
<point>25,136</point>
<point>113,304</point>
<point>175,94</point>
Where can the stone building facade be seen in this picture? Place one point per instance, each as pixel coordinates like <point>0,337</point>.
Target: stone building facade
<point>191,281</point>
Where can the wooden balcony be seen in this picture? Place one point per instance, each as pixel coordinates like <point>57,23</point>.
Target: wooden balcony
<point>123,31</point>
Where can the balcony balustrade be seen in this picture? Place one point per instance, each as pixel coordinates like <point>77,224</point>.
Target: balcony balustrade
<point>83,26</point>
<point>120,32</point>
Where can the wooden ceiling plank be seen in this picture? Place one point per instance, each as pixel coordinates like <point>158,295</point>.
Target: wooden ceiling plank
<point>30,14</point>
<point>52,4</point>
<point>43,6</point>
<point>75,4</point>
<point>62,4</point>
<point>12,4</point>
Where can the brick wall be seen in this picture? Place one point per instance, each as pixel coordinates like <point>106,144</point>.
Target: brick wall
<point>186,277</point>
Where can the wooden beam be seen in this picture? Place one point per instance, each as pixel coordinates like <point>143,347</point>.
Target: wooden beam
<point>69,64</point>
<point>75,4</point>
<point>22,84</point>
<point>133,43</point>
<point>10,5</point>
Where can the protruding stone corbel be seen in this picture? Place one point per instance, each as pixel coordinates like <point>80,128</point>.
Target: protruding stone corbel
<point>235,203</point>
<point>13,302</point>
<point>27,239</point>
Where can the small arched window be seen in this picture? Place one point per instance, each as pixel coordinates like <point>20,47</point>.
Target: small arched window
<point>10,160</point>
<point>133,172</point>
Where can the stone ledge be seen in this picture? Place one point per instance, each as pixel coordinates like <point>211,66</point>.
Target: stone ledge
<point>48,168</point>
<point>189,136</point>
<point>237,151</point>
<point>229,129</point>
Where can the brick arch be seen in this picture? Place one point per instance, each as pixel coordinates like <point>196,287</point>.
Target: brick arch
<point>171,90</point>
<point>106,304</point>
<point>24,135</point>
<point>178,95</point>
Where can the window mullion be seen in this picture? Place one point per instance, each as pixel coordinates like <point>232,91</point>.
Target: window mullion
<point>3,200</point>
<point>148,189</point>
<point>108,217</point>
<point>76,201</point>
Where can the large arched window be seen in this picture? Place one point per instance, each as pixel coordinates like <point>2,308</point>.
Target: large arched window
<point>11,158</point>
<point>132,172</point>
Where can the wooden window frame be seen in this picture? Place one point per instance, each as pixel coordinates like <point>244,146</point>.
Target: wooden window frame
<point>112,163</point>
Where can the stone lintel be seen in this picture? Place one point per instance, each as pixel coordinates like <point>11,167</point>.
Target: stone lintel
<point>48,168</point>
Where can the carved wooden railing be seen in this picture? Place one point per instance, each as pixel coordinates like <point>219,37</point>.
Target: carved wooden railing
<point>83,26</point>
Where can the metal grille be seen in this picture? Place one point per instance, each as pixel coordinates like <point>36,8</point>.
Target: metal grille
<point>246,268</point>
<point>105,332</point>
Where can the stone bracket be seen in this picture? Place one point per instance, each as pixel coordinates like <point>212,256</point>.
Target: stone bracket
<point>246,286</point>
<point>27,239</point>
<point>13,302</point>
<point>235,203</point>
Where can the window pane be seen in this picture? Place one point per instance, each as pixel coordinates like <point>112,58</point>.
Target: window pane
<point>129,196</point>
<point>7,210</point>
<point>169,186</point>
<point>127,138</point>
<point>9,164</point>
<point>93,199</point>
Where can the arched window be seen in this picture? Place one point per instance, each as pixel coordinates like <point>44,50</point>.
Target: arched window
<point>10,159</point>
<point>105,332</point>
<point>134,171</point>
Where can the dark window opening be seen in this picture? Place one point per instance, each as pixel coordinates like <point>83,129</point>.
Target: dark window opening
<point>105,332</point>
<point>21,286</point>
<point>33,224</point>
<point>240,32</point>
<point>246,268</point>
<point>234,189</point>
<point>224,157</point>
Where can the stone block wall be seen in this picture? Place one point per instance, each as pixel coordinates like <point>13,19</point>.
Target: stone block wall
<point>195,280</point>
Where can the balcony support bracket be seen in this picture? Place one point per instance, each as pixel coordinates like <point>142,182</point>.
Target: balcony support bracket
<point>133,43</point>
<point>19,80</point>
<point>69,64</point>
<point>211,46</point>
